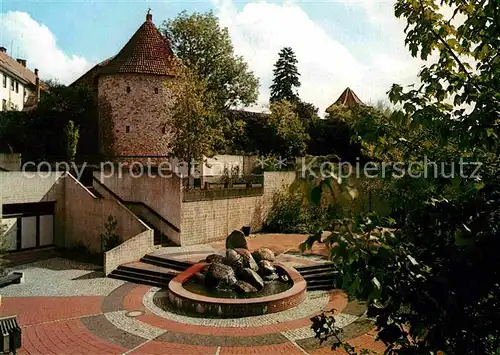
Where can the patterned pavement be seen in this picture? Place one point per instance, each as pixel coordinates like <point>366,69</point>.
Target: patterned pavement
<point>69,308</point>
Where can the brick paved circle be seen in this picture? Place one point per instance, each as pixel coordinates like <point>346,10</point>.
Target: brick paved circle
<point>73,318</point>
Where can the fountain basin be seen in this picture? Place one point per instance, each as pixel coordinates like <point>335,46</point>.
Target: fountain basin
<point>235,307</point>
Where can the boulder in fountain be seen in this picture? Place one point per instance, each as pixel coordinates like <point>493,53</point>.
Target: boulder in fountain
<point>250,276</point>
<point>233,259</point>
<point>219,276</point>
<point>266,268</point>
<point>244,287</point>
<point>236,240</point>
<point>248,260</point>
<point>271,277</point>
<point>214,258</point>
<point>263,254</point>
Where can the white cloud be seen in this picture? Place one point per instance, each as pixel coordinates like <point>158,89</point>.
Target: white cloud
<point>38,45</point>
<point>327,67</point>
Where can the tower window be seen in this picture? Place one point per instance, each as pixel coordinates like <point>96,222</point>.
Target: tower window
<point>163,130</point>
<point>156,90</point>
<point>127,129</point>
<point>128,89</point>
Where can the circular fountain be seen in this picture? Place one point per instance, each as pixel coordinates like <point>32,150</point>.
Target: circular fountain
<point>239,284</point>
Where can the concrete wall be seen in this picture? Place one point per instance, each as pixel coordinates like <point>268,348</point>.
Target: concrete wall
<point>162,194</point>
<point>86,215</point>
<point>207,221</point>
<point>10,161</point>
<point>130,250</point>
<point>142,110</point>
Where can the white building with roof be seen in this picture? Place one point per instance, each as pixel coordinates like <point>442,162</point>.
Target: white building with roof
<point>19,86</point>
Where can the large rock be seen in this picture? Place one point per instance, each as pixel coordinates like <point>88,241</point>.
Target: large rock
<point>244,287</point>
<point>263,254</point>
<point>219,276</point>
<point>214,258</point>
<point>271,277</point>
<point>266,268</point>
<point>231,256</point>
<point>248,260</point>
<point>250,276</point>
<point>236,240</point>
<point>233,259</point>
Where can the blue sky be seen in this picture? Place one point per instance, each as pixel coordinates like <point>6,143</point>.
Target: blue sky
<point>338,43</point>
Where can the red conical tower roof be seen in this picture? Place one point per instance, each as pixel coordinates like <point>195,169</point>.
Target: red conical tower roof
<point>147,52</point>
<point>347,98</point>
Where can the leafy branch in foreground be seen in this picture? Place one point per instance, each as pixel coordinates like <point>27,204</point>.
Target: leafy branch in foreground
<point>325,328</point>
<point>432,279</point>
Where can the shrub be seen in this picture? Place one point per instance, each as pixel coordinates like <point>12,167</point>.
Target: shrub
<point>110,237</point>
<point>291,214</point>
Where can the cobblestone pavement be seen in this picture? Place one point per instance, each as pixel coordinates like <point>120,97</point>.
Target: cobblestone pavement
<point>65,307</point>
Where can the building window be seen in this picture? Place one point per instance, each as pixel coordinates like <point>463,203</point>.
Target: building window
<point>11,84</point>
<point>24,91</point>
<point>163,130</point>
<point>128,89</point>
<point>17,87</point>
<point>4,81</point>
<point>127,129</point>
<point>156,90</point>
<point>4,105</point>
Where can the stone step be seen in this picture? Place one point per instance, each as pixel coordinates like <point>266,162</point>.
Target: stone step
<point>150,269</point>
<point>145,278</point>
<point>137,280</point>
<point>320,282</point>
<point>164,261</point>
<point>328,275</point>
<point>324,287</point>
<point>317,271</point>
<point>312,268</point>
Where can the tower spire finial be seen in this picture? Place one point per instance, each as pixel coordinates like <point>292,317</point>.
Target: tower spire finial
<point>149,16</point>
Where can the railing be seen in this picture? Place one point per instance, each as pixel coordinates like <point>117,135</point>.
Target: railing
<point>208,182</point>
<point>136,203</point>
<point>154,213</point>
<point>192,195</point>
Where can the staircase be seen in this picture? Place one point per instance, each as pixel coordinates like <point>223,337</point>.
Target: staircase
<point>153,270</point>
<point>159,238</point>
<point>152,219</point>
<point>319,277</point>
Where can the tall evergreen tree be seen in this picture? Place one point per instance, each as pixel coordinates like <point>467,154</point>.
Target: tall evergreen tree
<point>286,77</point>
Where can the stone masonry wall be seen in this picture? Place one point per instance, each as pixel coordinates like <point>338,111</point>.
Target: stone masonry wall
<point>141,112</point>
<point>208,221</point>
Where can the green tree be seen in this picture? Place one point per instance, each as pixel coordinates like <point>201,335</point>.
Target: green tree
<point>41,134</point>
<point>431,273</point>
<point>196,127</point>
<point>286,77</point>
<point>307,112</point>
<point>206,48</point>
<point>72,134</point>
<point>289,133</point>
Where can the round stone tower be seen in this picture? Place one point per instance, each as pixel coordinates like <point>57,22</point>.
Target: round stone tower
<point>132,97</point>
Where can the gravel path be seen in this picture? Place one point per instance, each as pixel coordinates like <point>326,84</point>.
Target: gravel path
<point>60,277</point>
